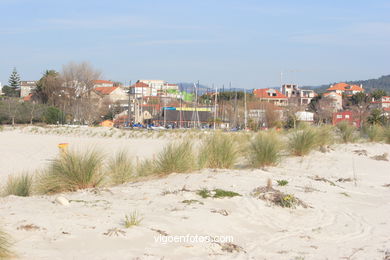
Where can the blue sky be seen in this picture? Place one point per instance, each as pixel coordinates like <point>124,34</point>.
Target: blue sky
<point>244,42</point>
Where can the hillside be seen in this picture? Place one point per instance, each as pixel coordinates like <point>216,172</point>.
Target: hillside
<point>369,85</point>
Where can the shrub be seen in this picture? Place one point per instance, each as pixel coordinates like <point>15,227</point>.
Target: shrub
<point>347,132</point>
<point>301,142</point>
<point>175,158</point>
<point>218,151</point>
<point>264,150</point>
<point>120,168</point>
<point>216,193</point>
<point>72,171</point>
<point>4,245</point>
<point>19,185</point>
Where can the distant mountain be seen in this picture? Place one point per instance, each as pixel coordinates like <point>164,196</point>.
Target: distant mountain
<point>369,85</point>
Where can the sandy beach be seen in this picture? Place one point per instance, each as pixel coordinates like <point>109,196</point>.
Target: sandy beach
<point>345,219</point>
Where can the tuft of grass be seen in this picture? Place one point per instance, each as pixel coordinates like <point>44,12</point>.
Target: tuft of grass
<point>302,142</point>
<point>204,193</point>
<point>325,135</point>
<point>177,158</point>
<point>5,245</point>
<point>218,151</point>
<point>282,182</point>
<point>189,202</point>
<point>72,171</point>
<point>386,134</point>
<point>134,219</point>
<point>264,150</point>
<point>374,133</point>
<point>19,185</point>
<point>120,168</point>
<point>347,132</point>
<point>286,200</point>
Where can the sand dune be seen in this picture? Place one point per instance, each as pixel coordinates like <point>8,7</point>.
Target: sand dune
<point>347,220</point>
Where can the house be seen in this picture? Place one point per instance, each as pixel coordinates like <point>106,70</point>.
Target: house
<point>102,83</point>
<point>110,94</point>
<point>344,88</point>
<point>305,116</point>
<point>336,100</point>
<point>345,116</point>
<point>141,89</point>
<point>26,87</point>
<point>271,95</point>
<point>301,96</point>
<point>382,103</point>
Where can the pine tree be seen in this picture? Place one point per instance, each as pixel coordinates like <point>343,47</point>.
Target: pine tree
<point>14,79</point>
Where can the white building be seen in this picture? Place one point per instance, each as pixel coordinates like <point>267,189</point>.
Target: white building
<point>26,87</point>
<point>303,96</point>
<point>102,83</point>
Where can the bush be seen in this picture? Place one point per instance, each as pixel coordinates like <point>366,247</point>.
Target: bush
<point>347,132</point>
<point>218,151</point>
<point>4,245</point>
<point>301,142</point>
<point>53,115</point>
<point>120,168</point>
<point>19,185</point>
<point>175,158</point>
<point>72,171</point>
<point>264,150</point>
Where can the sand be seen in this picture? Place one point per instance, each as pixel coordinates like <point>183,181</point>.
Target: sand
<point>347,220</point>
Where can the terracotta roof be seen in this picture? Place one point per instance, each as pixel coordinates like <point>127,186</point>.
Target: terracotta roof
<point>102,82</point>
<point>331,93</point>
<point>105,90</point>
<point>139,85</point>
<point>268,93</point>
<point>344,87</point>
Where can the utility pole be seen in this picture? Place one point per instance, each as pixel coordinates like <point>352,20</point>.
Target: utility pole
<point>128,106</point>
<point>245,111</point>
<point>215,106</point>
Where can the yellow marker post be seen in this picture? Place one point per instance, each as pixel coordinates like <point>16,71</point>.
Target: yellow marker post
<point>63,147</point>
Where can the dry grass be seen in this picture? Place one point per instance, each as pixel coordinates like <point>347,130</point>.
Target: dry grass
<point>19,185</point>
<point>177,158</point>
<point>72,171</point>
<point>302,142</point>
<point>374,133</point>
<point>120,168</point>
<point>264,150</point>
<point>5,245</point>
<point>347,131</point>
<point>218,151</point>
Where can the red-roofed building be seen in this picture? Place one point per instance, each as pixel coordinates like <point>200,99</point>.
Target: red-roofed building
<point>141,89</point>
<point>336,100</point>
<point>271,95</point>
<point>102,83</point>
<point>111,94</point>
<point>344,88</point>
<point>382,103</point>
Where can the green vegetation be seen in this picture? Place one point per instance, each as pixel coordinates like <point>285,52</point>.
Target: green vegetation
<point>189,202</point>
<point>264,150</point>
<point>120,168</point>
<point>134,219</point>
<point>218,151</point>
<point>19,185</point>
<point>72,171</point>
<point>282,182</point>
<point>217,193</point>
<point>386,135</point>
<point>374,132</point>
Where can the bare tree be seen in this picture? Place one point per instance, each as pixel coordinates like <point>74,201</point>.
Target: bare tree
<point>78,84</point>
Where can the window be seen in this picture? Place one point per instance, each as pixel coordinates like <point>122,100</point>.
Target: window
<point>346,116</point>
<point>339,116</point>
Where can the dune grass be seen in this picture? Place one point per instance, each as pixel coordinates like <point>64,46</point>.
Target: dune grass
<point>120,168</point>
<point>347,132</point>
<point>264,150</point>
<point>302,142</point>
<point>374,133</point>
<point>134,219</point>
<point>19,185</point>
<point>386,134</point>
<point>325,135</point>
<point>72,171</point>
<point>177,158</point>
<point>5,245</point>
<point>218,151</point>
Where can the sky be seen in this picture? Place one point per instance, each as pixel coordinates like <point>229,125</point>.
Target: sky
<point>248,43</point>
